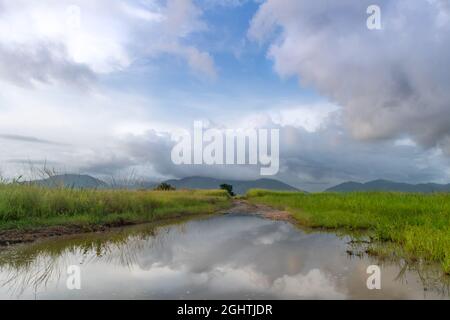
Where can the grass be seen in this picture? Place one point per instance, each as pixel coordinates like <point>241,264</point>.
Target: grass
<point>419,223</point>
<point>27,206</point>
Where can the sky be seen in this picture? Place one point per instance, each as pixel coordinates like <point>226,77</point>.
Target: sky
<point>98,87</point>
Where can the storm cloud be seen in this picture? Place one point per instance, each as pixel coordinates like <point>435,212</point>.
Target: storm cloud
<point>312,161</point>
<point>391,83</point>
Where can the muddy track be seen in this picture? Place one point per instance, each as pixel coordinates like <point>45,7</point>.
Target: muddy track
<point>244,207</point>
<point>16,236</point>
<point>11,237</point>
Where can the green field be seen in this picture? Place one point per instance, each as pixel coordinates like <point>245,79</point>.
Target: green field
<point>418,223</point>
<point>25,206</point>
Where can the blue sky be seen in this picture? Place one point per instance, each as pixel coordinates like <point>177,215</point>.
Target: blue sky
<point>98,87</point>
<point>242,66</point>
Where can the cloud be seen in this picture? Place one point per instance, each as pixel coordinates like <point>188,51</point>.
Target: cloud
<point>330,156</point>
<point>310,160</point>
<point>15,137</point>
<point>109,164</point>
<point>390,82</point>
<point>42,63</point>
<point>52,41</point>
<point>314,284</point>
<point>199,61</point>
<point>316,151</point>
<point>152,152</point>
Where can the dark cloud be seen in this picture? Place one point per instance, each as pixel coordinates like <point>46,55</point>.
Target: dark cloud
<point>390,82</point>
<point>309,160</point>
<point>109,166</point>
<point>15,137</point>
<point>32,162</point>
<point>43,62</point>
<point>154,151</point>
<point>324,158</point>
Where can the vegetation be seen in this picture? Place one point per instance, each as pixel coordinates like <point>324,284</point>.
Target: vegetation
<point>164,187</point>
<point>30,206</point>
<point>418,223</point>
<point>228,188</point>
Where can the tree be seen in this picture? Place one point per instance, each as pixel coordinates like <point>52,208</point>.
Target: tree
<point>228,188</point>
<point>164,187</point>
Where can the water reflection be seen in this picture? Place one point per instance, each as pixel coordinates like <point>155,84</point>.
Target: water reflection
<point>232,256</point>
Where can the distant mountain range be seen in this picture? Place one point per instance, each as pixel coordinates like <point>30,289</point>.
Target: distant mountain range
<point>79,181</point>
<point>88,182</point>
<point>76,181</point>
<point>239,187</point>
<point>386,185</point>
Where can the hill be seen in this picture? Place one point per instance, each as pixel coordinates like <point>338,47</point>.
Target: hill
<point>239,186</point>
<point>386,185</point>
<point>77,181</point>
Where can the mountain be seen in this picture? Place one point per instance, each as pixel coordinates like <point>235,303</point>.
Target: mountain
<point>386,185</point>
<point>239,186</point>
<point>77,181</point>
<point>87,182</point>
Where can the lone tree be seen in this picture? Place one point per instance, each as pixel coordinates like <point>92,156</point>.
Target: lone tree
<point>228,188</point>
<point>164,187</point>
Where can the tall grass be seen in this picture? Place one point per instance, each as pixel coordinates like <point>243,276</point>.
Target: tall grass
<point>24,206</point>
<point>420,223</point>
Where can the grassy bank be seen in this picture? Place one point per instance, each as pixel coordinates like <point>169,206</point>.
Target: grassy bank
<point>419,223</point>
<point>24,207</point>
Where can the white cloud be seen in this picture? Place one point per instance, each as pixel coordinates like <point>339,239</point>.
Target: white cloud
<point>314,284</point>
<point>309,117</point>
<point>98,37</point>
